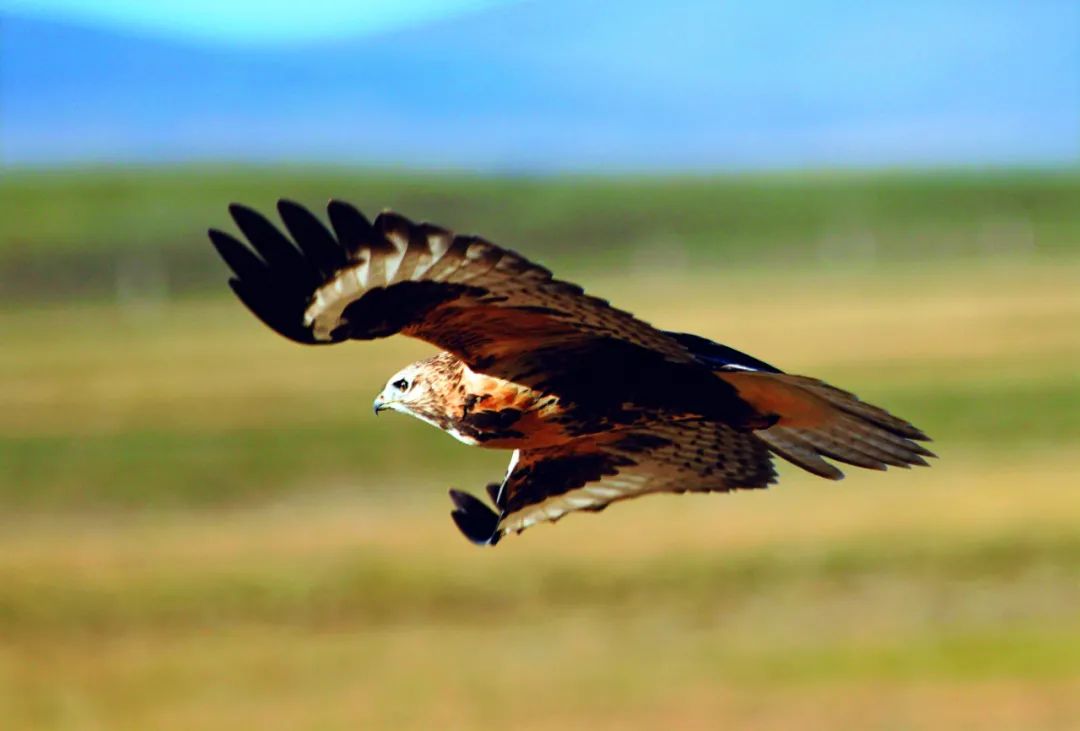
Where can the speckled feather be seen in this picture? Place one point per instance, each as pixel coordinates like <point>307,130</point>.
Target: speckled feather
<point>501,304</point>
<point>590,474</point>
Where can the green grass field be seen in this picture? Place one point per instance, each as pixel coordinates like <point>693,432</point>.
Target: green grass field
<point>100,232</point>
<point>204,527</point>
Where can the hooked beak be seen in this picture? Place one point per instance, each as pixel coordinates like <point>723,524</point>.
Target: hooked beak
<point>378,405</point>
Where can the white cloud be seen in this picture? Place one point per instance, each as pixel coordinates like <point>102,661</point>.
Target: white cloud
<point>249,21</point>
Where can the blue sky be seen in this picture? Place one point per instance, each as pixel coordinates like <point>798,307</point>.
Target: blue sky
<point>542,84</point>
<point>250,21</point>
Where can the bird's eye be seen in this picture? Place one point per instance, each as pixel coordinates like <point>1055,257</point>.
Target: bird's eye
<point>401,384</point>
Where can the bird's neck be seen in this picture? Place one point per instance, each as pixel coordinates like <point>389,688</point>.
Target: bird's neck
<point>485,410</point>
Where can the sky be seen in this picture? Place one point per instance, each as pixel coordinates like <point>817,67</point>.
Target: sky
<point>250,22</point>
<point>552,85</point>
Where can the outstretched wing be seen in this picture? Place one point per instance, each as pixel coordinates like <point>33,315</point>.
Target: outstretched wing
<point>816,420</point>
<point>365,280</point>
<point>590,473</point>
<point>813,419</point>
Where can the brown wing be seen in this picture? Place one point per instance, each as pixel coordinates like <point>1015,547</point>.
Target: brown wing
<point>590,473</point>
<point>370,280</point>
<point>816,420</point>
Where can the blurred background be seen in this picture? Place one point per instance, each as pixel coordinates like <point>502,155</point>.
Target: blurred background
<point>202,525</point>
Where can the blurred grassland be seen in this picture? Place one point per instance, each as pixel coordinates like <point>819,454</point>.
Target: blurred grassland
<point>203,525</point>
<point>87,232</point>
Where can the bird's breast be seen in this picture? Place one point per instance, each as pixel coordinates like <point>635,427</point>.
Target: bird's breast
<point>503,415</point>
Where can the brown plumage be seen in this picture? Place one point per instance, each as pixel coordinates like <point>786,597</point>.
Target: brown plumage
<point>598,405</point>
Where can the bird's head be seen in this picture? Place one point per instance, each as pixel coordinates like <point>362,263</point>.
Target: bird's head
<point>416,390</point>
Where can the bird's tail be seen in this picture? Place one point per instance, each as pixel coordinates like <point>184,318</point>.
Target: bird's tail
<point>816,420</point>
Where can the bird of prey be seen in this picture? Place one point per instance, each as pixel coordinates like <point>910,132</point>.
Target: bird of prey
<point>597,405</point>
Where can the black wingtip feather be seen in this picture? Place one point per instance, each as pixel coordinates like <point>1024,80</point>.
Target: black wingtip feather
<point>315,241</point>
<point>240,258</point>
<point>274,313</point>
<point>280,254</point>
<point>354,231</point>
<point>474,519</point>
<point>493,490</point>
<point>274,278</point>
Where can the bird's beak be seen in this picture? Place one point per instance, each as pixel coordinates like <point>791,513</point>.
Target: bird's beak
<point>378,405</point>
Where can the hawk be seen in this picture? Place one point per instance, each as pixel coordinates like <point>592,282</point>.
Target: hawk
<point>596,405</point>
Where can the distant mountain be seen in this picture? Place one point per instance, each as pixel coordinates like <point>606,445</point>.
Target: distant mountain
<point>564,84</point>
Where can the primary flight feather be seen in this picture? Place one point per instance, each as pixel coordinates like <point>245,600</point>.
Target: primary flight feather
<point>596,405</point>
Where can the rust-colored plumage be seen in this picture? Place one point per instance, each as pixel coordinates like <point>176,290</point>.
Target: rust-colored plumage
<point>597,405</point>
